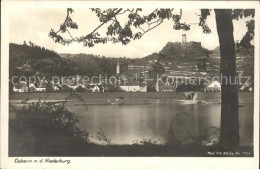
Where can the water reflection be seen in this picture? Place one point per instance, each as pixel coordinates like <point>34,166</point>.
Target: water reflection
<point>137,122</point>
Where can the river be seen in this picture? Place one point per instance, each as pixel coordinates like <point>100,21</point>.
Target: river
<point>128,123</point>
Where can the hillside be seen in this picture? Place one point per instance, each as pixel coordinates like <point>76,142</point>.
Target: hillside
<point>175,59</point>
<point>93,65</point>
<point>21,54</point>
<point>191,59</point>
<point>31,59</point>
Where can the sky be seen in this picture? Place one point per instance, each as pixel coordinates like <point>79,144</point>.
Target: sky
<point>32,24</point>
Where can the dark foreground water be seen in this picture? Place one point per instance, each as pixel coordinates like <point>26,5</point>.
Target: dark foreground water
<point>128,123</point>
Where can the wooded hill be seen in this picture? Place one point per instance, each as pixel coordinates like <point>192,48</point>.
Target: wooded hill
<point>39,59</point>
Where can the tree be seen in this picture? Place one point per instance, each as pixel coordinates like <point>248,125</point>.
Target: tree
<point>138,25</point>
<point>57,130</point>
<point>24,43</point>
<point>229,99</point>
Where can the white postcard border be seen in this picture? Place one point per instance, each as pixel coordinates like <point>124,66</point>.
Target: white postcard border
<point>124,162</point>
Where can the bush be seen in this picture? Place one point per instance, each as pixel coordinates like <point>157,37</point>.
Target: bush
<point>43,128</point>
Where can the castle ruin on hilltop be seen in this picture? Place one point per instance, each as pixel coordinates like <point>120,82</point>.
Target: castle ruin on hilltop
<point>189,44</point>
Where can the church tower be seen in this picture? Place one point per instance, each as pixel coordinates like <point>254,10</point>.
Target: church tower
<point>184,39</point>
<point>117,68</point>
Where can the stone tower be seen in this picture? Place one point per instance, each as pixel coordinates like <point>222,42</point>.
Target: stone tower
<point>117,68</point>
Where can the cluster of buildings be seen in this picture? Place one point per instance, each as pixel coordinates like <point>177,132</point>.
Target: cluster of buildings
<point>134,79</point>
<point>23,86</point>
<point>137,78</point>
<point>51,86</point>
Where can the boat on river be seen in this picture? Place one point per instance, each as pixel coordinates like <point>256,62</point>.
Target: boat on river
<point>190,99</point>
<point>116,102</point>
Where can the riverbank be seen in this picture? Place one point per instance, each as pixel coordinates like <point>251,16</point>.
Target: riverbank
<point>128,98</point>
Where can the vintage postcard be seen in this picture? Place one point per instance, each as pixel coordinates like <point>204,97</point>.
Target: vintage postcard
<point>127,84</point>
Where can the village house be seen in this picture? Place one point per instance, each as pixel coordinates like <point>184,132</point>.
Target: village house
<point>133,88</point>
<point>42,86</point>
<point>56,87</point>
<point>20,88</point>
<point>130,79</point>
<point>38,87</point>
<point>246,87</point>
<point>213,87</point>
<point>70,87</point>
<point>160,87</point>
<point>32,87</point>
<point>94,88</point>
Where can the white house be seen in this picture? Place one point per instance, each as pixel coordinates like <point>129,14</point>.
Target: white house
<point>42,86</point>
<point>20,88</point>
<point>96,89</point>
<point>214,86</point>
<point>72,87</point>
<point>56,89</point>
<point>168,87</point>
<point>133,88</point>
<point>246,87</point>
<point>32,87</point>
<point>143,88</point>
<point>41,89</point>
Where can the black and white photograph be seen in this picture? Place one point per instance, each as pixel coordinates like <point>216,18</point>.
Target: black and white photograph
<point>129,79</point>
